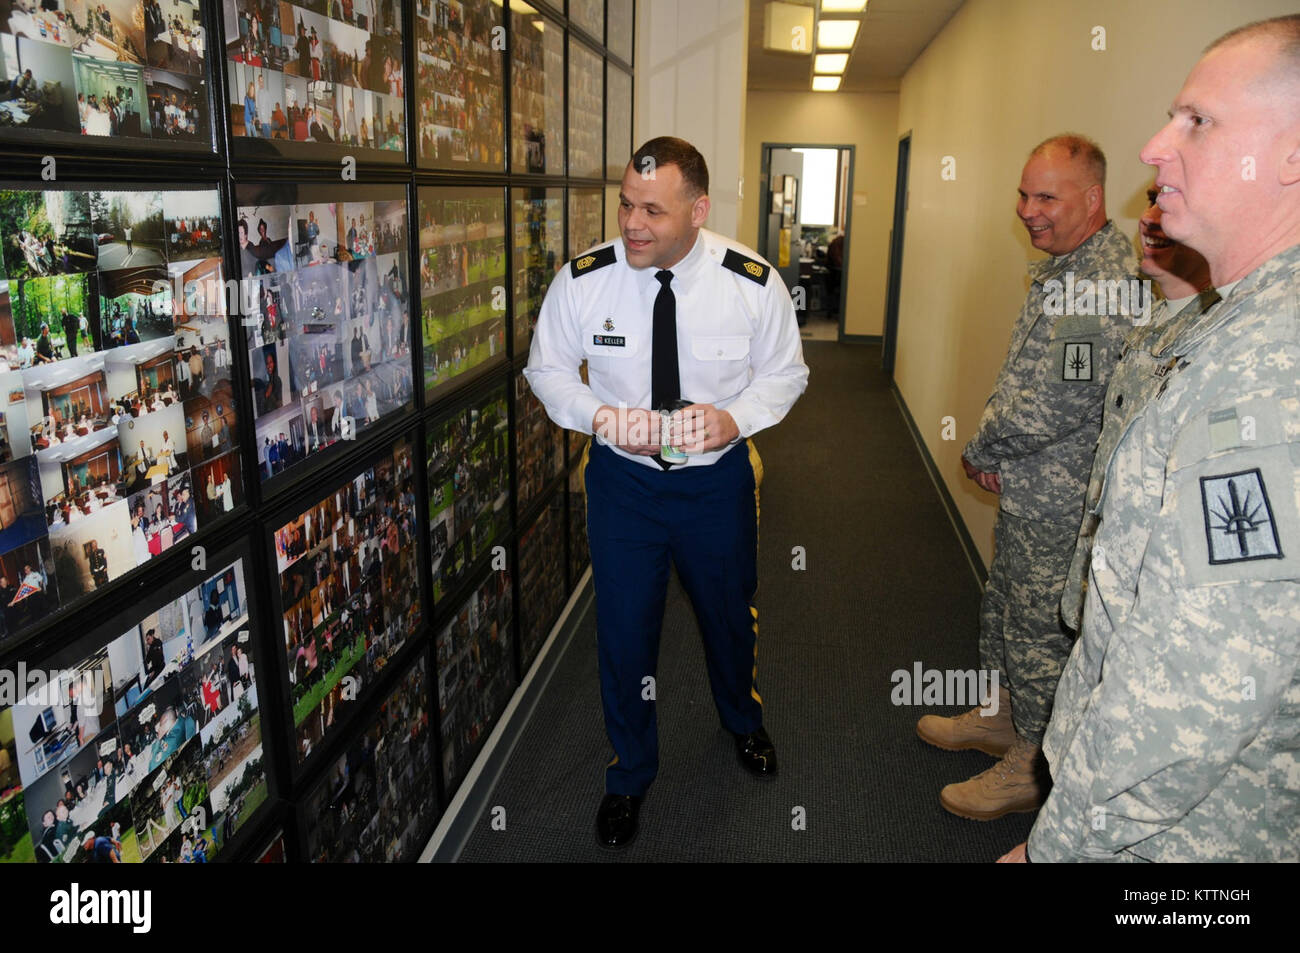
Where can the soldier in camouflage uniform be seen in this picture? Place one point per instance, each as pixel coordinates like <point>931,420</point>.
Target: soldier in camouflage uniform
<point>1184,279</point>
<point>1034,446</point>
<point>1185,745</point>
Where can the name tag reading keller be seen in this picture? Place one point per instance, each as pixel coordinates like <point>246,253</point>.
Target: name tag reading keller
<point>608,340</point>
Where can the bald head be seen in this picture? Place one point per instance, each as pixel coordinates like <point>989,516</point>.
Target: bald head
<point>1062,193</point>
<point>1285,31</point>
<point>1228,160</point>
<point>1080,150</point>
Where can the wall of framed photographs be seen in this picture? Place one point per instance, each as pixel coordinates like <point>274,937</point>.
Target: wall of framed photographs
<point>282,527</point>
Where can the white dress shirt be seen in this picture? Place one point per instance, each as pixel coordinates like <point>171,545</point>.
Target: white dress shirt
<point>738,344</point>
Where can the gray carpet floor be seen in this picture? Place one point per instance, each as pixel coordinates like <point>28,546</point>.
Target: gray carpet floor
<point>886,585</point>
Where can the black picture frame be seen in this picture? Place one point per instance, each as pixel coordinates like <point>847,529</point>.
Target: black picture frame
<point>169,691</point>
<point>115,357</point>
<point>537,77</point>
<point>462,277</point>
<point>325,312</point>
<point>460,85</point>
<point>299,84</point>
<point>141,80</point>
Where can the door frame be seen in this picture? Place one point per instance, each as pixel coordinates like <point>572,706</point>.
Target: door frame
<point>764,177</point>
<point>889,343</point>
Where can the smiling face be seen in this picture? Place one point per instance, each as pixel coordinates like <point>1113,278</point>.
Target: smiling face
<point>658,220</point>
<point>1228,159</point>
<point>1179,269</point>
<point>1059,207</point>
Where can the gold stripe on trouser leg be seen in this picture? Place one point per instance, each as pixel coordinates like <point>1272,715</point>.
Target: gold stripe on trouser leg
<point>756,463</point>
<point>586,458</point>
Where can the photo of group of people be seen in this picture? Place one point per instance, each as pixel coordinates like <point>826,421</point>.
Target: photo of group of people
<point>458,84</point>
<point>376,804</point>
<point>539,253</point>
<point>586,220</point>
<point>469,487</point>
<point>618,30</point>
<point>589,15</point>
<point>145,749</point>
<point>541,578</point>
<point>618,121</point>
<point>539,445</point>
<point>536,92</point>
<point>579,553</point>
<point>462,281</point>
<point>120,69</point>
<point>119,432</point>
<point>586,112</point>
<point>319,71</point>
<point>475,674</point>
<point>329,328</point>
<point>348,570</point>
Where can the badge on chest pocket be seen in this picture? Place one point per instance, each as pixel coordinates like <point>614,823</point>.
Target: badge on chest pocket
<point>600,344</point>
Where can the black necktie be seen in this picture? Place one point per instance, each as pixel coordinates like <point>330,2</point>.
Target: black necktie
<point>665,384</point>
<point>665,380</point>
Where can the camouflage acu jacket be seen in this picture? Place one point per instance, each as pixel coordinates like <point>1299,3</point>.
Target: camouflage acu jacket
<point>1185,745</point>
<point>1137,375</point>
<point>1039,428</point>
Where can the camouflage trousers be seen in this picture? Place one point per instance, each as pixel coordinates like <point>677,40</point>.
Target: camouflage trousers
<point>1021,636</point>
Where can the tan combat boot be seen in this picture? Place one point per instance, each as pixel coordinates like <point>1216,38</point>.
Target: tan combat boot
<point>993,734</point>
<point>1009,787</point>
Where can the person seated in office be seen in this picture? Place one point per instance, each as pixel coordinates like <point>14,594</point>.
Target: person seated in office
<point>22,86</point>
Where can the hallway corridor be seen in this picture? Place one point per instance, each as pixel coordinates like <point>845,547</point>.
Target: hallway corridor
<point>886,585</point>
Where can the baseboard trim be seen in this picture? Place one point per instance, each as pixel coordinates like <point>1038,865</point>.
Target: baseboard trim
<point>968,547</point>
<point>471,800</point>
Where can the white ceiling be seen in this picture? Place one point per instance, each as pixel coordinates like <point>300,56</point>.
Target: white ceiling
<point>892,36</point>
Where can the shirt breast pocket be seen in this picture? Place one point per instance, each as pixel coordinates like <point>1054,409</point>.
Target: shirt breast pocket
<point>725,359</point>
<point>608,354</point>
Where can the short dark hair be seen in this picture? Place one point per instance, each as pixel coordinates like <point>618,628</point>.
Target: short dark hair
<point>669,150</point>
<point>1284,30</point>
<point>1080,148</point>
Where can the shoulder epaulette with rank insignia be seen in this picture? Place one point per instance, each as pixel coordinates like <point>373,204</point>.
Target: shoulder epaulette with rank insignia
<point>592,260</point>
<point>754,270</point>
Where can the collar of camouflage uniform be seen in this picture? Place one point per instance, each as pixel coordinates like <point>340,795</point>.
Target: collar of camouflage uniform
<point>1188,337</point>
<point>1048,268</point>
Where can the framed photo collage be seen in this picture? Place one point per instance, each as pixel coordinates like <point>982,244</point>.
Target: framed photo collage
<point>273,487</point>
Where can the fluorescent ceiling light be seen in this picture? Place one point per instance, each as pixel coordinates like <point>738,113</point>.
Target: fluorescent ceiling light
<point>836,34</point>
<point>830,62</point>
<point>843,6</point>
<point>825,84</point>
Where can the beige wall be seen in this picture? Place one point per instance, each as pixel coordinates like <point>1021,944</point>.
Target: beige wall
<point>868,121</point>
<point>690,82</point>
<point>1000,77</point>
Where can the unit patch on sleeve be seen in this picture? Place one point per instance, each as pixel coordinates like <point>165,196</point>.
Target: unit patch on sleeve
<point>753,270</point>
<point>1077,362</point>
<point>592,260</point>
<point>1238,518</point>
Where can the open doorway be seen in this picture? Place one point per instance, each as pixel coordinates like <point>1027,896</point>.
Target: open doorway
<point>803,229</point>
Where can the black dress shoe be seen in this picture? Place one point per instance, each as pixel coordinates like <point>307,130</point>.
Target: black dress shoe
<point>757,754</point>
<point>616,820</point>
